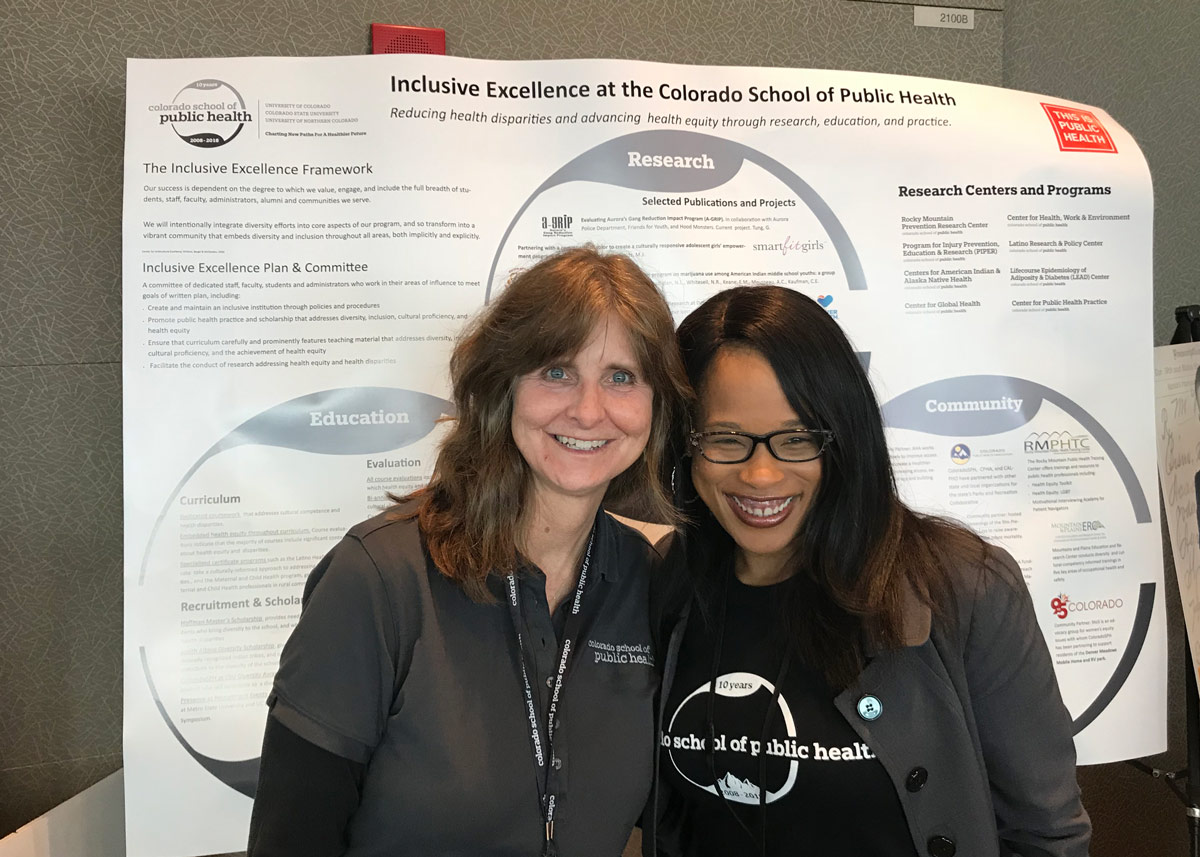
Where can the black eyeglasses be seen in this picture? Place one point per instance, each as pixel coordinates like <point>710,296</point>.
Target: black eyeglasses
<point>734,447</point>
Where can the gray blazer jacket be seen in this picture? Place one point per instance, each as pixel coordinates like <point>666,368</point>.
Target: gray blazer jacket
<point>973,731</point>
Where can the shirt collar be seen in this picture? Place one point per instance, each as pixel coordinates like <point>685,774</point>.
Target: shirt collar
<point>605,551</point>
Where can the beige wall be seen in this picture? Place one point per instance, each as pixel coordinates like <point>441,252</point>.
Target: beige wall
<point>1141,62</point>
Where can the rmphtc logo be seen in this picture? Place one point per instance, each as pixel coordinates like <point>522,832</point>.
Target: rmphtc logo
<point>1059,441</point>
<point>206,113</point>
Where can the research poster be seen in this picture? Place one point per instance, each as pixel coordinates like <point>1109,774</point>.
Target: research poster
<point>303,239</point>
<point>1177,428</point>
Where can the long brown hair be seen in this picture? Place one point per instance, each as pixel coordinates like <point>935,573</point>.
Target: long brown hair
<point>471,511</point>
<point>860,550</point>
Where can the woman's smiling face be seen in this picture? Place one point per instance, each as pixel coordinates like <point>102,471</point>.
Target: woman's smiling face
<point>761,502</point>
<point>583,421</point>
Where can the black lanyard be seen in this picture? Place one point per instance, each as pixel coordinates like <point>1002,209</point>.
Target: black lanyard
<point>547,772</point>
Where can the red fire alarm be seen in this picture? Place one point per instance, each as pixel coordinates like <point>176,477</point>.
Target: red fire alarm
<point>395,39</point>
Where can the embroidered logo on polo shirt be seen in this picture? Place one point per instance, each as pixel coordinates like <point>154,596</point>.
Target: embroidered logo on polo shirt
<point>621,653</point>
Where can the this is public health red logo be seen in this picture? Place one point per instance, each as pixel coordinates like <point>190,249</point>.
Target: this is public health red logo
<point>1078,130</point>
<point>1059,606</point>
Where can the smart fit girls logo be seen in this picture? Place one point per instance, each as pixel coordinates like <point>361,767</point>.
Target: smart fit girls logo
<point>206,113</point>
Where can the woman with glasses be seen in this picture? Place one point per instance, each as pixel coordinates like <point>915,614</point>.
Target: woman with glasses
<point>841,675</point>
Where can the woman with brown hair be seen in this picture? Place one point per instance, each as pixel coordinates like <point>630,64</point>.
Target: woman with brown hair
<point>472,670</point>
<point>843,675</point>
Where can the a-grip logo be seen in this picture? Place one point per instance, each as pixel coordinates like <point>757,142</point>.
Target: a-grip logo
<point>206,113</point>
<point>557,226</point>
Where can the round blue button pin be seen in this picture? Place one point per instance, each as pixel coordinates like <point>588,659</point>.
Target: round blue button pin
<point>869,708</point>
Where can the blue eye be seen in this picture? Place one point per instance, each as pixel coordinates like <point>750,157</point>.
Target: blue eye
<point>621,376</point>
<point>556,373</point>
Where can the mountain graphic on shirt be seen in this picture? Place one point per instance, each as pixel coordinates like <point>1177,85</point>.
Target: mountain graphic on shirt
<point>734,787</point>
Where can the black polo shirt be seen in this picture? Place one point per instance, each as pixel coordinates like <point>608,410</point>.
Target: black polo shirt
<point>393,666</point>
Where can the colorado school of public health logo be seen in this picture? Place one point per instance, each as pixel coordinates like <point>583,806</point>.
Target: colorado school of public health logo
<point>205,113</point>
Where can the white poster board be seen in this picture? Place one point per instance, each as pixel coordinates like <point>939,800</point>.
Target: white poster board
<point>304,237</point>
<point>1177,423</point>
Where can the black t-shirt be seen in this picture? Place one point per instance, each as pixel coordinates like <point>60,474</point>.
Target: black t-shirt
<point>826,792</point>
